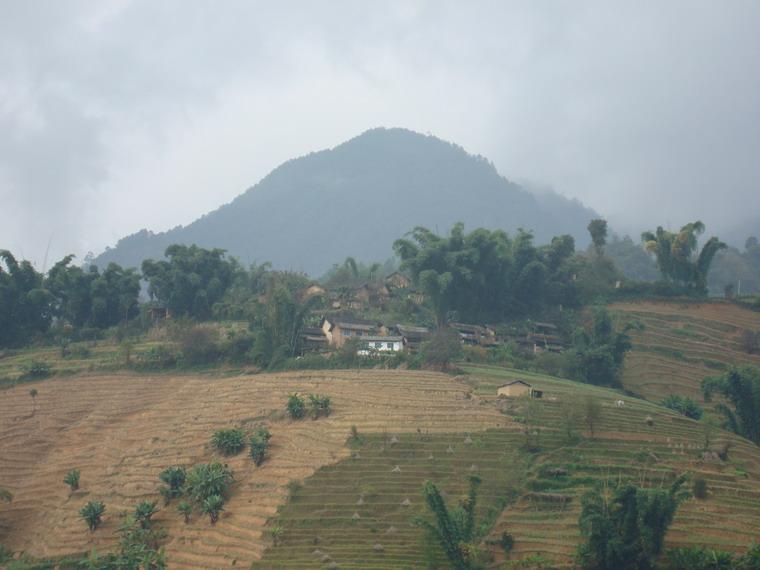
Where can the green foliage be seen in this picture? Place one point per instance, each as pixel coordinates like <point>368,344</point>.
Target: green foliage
<point>174,479</point>
<point>485,274</point>
<point>296,407</point>
<point>626,525</point>
<point>157,357</point>
<point>198,344</point>
<point>92,513</point>
<point>699,488</point>
<point>702,558</point>
<point>677,256</point>
<point>72,479</point>
<point>320,405</point>
<point>36,369</point>
<point>138,550</point>
<point>213,507</point>
<point>144,511</point>
<point>454,530</point>
<point>207,479</point>
<point>186,510</point>
<point>25,305</point>
<point>599,351</point>
<point>597,228</point>
<point>441,349</point>
<point>259,444</point>
<point>741,388</point>
<point>683,405</point>
<point>88,298</point>
<point>278,322</point>
<point>5,496</point>
<point>229,441</point>
<point>191,281</point>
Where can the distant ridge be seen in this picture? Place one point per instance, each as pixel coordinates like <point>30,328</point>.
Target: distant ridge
<point>356,199</point>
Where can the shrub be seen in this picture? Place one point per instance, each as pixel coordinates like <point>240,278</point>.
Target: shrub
<point>441,349</point>
<point>229,441</point>
<point>507,541</point>
<point>185,509</point>
<point>699,488</point>
<point>157,358</point>
<point>208,479</point>
<point>684,406</point>
<point>213,507</point>
<point>72,479</point>
<point>36,369</point>
<point>144,511</point>
<point>92,513</point>
<point>320,405</point>
<point>259,444</point>
<point>237,346</point>
<point>700,558</point>
<point>198,344</point>
<point>174,477</point>
<point>750,342</point>
<point>295,407</point>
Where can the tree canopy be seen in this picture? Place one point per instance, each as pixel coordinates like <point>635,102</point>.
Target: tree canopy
<point>677,254</point>
<point>191,281</point>
<point>485,273</point>
<point>741,388</point>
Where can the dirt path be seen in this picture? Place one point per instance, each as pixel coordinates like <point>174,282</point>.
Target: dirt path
<point>122,430</point>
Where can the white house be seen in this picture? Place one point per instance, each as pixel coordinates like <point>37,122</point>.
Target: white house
<point>380,345</point>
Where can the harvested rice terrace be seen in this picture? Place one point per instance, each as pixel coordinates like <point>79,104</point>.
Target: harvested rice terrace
<point>683,343</point>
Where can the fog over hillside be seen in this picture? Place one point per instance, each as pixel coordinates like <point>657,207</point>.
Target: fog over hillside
<point>359,197</point>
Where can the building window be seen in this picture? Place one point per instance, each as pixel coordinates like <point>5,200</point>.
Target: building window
<point>389,345</point>
<point>378,345</point>
<point>346,332</point>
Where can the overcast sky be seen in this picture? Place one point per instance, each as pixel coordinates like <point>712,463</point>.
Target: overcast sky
<point>122,115</point>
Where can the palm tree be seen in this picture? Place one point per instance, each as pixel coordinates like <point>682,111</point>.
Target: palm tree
<point>213,507</point>
<point>92,513</point>
<point>72,479</point>
<point>185,509</point>
<point>677,257</point>
<point>143,511</point>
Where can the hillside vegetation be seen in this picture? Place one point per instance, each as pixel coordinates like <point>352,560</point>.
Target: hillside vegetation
<point>358,197</point>
<point>682,343</point>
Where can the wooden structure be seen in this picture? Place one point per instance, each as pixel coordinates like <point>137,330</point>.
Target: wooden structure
<point>313,339</point>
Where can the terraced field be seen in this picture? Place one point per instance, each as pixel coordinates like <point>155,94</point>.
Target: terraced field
<point>122,430</point>
<point>353,504</point>
<point>683,343</point>
<point>354,514</point>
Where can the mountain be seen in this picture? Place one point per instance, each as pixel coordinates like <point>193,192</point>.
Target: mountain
<point>356,199</point>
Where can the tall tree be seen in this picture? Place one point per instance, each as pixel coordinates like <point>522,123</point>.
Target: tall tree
<point>25,305</point>
<point>453,529</point>
<point>191,281</point>
<point>678,257</point>
<point>598,230</point>
<point>741,388</point>
<point>626,525</point>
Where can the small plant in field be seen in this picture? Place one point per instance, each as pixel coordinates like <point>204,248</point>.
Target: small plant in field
<point>92,513</point>
<point>174,477</point>
<point>185,509</point>
<point>276,533</point>
<point>229,441</point>
<point>213,507</point>
<point>72,479</point>
<point>293,487</point>
<point>295,407</point>
<point>144,511</point>
<point>36,369</point>
<point>259,445</point>
<point>320,405</point>
<point>506,541</point>
<point>699,488</point>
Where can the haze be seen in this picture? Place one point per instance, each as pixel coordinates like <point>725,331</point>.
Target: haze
<point>122,115</point>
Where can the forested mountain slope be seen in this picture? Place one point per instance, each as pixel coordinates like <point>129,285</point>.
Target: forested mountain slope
<point>356,199</point>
